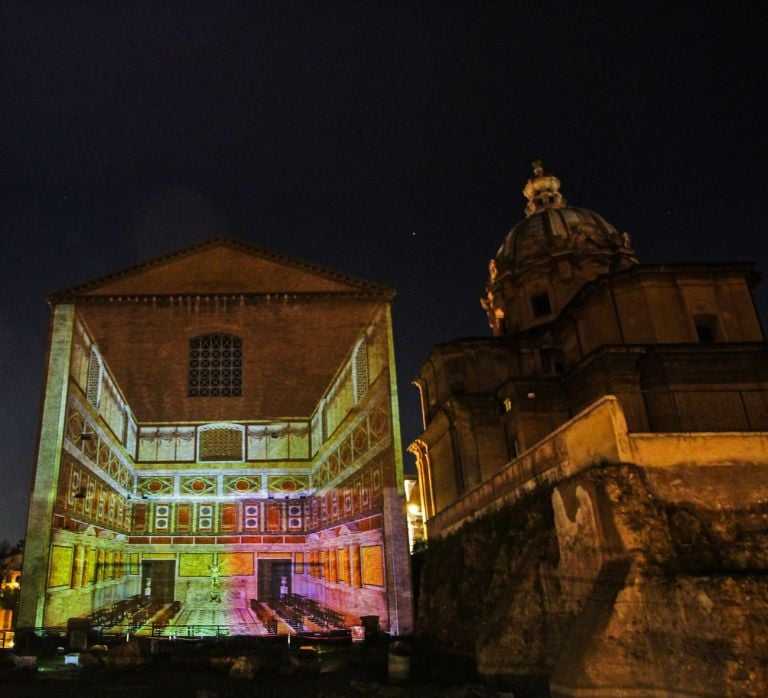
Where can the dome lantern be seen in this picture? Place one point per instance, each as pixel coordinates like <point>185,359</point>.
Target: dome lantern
<point>548,256</point>
<point>542,191</point>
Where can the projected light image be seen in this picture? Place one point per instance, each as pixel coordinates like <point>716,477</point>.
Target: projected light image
<point>171,502</point>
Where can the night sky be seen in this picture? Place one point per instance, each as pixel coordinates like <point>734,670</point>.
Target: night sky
<point>388,140</point>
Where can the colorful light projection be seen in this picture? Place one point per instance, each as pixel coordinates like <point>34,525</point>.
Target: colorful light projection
<point>214,517</point>
<point>325,545</point>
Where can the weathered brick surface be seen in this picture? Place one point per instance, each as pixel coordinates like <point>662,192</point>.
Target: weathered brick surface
<point>222,265</point>
<point>291,351</point>
<point>298,324</point>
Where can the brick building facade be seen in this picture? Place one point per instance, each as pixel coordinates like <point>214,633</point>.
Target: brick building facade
<point>220,425</point>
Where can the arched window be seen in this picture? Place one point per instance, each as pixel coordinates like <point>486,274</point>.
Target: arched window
<point>215,366</point>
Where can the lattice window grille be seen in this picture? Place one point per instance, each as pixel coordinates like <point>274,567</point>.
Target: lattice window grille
<point>215,366</point>
<point>361,372</point>
<point>93,391</point>
<point>221,444</point>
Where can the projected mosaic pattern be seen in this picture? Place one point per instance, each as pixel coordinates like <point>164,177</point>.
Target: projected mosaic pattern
<point>372,565</point>
<point>369,433</point>
<point>131,496</point>
<point>198,485</point>
<point>357,496</point>
<point>195,564</point>
<point>242,484</point>
<point>99,452</point>
<point>167,444</point>
<point>278,441</point>
<point>287,484</point>
<point>91,499</point>
<point>75,566</point>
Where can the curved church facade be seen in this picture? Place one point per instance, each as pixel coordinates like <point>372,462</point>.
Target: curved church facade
<point>220,434</point>
<point>575,317</point>
<point>594,474</point>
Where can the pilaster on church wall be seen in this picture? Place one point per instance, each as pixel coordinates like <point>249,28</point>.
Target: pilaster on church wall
<point>48,461</point>
<point>88,487</point>
<point>395,405</point>
<point>345,570</point>
<point>90,572</point>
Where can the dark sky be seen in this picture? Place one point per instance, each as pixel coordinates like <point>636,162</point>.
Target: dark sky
<point>389,140</point>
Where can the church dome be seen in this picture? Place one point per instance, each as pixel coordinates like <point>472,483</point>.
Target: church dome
<point>552,228</point>
<point>548,256</point>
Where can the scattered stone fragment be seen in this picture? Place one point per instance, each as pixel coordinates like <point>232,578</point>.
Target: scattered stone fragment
<point>27,663</point>
<point>242,668</point>
<point>87,660</point>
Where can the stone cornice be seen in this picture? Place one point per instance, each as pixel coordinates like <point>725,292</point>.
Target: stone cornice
<point>80,290</point>
<point>191,298</point>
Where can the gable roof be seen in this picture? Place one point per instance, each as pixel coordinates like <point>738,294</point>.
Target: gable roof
<point>221,265</point>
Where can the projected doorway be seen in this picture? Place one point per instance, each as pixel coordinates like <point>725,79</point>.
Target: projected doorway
<point>274,578</point>
<point>158,580</point>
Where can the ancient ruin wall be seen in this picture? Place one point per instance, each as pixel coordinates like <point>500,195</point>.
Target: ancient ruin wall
<point>615,576</point>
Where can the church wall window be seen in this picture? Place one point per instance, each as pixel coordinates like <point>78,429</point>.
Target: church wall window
<point>540,304</point>
<point>215,366</point>
<point>706,328</point>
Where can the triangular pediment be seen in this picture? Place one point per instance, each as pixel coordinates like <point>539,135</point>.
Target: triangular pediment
<point>222,266</point>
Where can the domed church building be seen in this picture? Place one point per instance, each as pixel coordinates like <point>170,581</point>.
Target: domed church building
<point>547,257</point>
<point>632,400</point>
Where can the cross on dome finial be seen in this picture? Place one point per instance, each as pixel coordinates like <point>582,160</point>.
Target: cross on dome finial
<point>542,191</point>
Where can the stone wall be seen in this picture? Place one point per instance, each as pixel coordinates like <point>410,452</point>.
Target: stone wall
<point>470,574</point>
<point>635,565</point>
